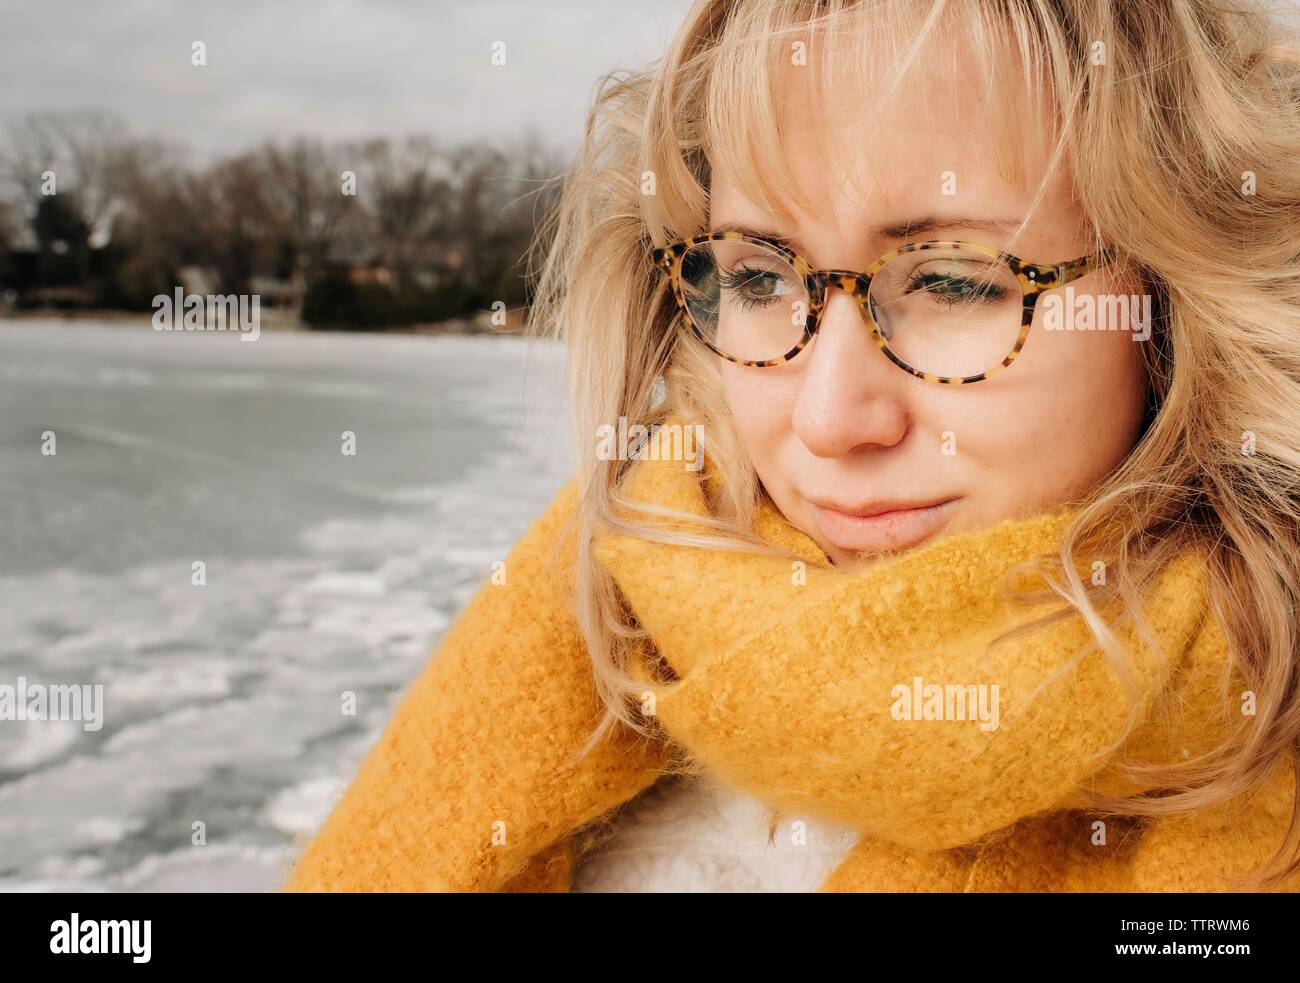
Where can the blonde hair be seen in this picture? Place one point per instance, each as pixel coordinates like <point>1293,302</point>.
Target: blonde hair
<point>1158,134</point>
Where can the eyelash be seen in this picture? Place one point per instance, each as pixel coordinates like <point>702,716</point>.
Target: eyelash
<point>990,292</point>
<point>733,280</point>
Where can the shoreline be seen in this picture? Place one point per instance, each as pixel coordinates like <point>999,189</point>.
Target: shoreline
<point>273,320</point>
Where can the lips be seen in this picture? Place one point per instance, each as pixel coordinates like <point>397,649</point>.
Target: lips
<point>881,526</point>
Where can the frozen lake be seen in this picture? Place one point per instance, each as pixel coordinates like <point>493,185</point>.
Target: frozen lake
<point>325,573</point>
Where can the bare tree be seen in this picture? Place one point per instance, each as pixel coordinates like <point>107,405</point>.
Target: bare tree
<point>86,152</point>
<point>406,190</point>
<point>304,196</point>
<point>501,192</point>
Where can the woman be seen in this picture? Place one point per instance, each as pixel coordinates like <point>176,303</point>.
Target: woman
<point>987,316</point>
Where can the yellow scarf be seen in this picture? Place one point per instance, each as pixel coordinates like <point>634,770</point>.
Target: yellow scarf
<point>872,699</point>
<point>830,694</point>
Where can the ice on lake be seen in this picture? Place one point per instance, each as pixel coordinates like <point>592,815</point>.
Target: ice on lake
<point>324,573</point>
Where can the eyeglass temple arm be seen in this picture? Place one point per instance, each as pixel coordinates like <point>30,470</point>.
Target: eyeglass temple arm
<point>1076,268</point>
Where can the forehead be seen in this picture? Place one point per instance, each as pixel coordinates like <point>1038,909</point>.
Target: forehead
<point>954,122</point>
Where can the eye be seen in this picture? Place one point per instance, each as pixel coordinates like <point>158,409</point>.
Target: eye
<point>957,286</point>
<point>756,285</point>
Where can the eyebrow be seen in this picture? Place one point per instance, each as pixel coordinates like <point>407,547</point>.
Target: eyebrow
<point>932,223</point>
<point>893,230</point>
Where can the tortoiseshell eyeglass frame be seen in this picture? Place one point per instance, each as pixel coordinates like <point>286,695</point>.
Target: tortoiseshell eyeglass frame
<point>1035,279</point>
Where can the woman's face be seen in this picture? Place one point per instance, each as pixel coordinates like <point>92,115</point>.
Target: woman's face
<point>861,455</point>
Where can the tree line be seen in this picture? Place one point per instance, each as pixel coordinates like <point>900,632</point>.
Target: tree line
<point>354,234</point>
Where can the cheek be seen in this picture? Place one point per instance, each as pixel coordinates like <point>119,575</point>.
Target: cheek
<point>762,404</point>
<point>1063,416</point>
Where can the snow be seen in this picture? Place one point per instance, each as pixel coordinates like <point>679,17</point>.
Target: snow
<point>325,574</point>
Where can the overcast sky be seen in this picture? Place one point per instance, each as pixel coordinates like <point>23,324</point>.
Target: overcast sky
<point>333,68</point>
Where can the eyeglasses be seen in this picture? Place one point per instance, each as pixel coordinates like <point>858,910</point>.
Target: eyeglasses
<point>946,312</point>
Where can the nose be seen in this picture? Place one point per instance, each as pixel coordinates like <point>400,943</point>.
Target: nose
<point>850,395</point>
